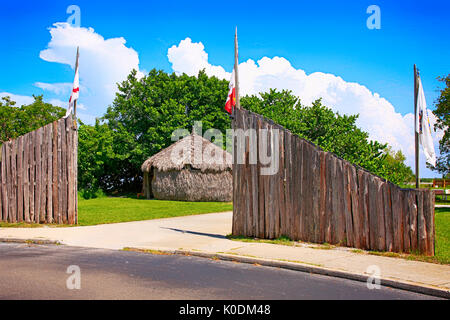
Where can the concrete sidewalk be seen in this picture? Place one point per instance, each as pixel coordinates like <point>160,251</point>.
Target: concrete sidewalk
<point>204,235</point>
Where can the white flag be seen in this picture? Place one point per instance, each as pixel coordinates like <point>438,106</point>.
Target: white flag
<point>423,127</point>
<point>75,93</point>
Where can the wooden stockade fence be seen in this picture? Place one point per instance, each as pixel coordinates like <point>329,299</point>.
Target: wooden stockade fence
<point>39,176</point>
<point>318,197</point>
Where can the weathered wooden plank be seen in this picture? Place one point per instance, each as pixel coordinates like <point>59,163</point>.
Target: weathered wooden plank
<point>311,198</point>
<point>364,204</point>
<point>275,178</point>
<point>13,199</point>
<point>421,224</point>
<point>38,177</point>
<point>294,186</point>
<point>315,199</point>
<point>329,198</point>
<point>406,221</point>
<point>20,217</point>
<point>304,193</point>
<point>389,230</point>
<point>298,186</point>
<point>235,226</point>
<point>49,199</point>
<point>356,216</point>
<point>60,172</point>
<point>1,196</point>
<point>254,179</point>
<point>335,205</point>
<point>341,202</point>
<point>265,182</point>
<point>270,180</point>
<point>249,180</point>
<point>397,219</point>
<point>26,178</point>
<point>288,184</point>
<point>241,181</point>
<point>373,221</point>
<point>281,185</point>
<point>43,201</point>
<point>348,204</point>
<point>1,189</point>
<point>322,197</point>
<point>412,204</point>
<point>71,174</point>
<point>76,170</point>
<point>32,155</point>
<point>381,228</point>
<point>8,176</point>
<point>56,212</point>
<point>261,186</point>
<point>4,186</point>
<point>64,182</point>
<point>428,212</point>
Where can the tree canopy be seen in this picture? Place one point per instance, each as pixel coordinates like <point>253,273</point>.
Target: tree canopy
<point>17,121</point>
<point>442,114</point>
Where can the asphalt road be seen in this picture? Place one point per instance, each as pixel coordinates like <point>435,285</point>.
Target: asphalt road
<point>40,272</point>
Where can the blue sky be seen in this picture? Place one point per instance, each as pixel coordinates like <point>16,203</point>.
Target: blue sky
<point>314,36</point>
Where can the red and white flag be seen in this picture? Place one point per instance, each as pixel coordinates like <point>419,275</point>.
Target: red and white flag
<point>75,92</point>
<point>231,99</point>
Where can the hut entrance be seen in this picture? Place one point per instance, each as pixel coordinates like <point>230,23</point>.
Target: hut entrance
<point>147,187</point>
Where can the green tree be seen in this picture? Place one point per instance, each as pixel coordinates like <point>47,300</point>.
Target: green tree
<point>442,114</point>
<point>394,167</point>
<point>146,111</point>
<point>17,121</point>
<point>331,131</point>
<point>95,156</point>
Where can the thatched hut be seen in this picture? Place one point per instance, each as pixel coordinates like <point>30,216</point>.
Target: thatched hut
<point>192,169</point>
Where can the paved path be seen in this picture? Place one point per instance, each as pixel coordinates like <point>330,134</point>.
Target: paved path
<point>39,272</point>
<point>206,233</point>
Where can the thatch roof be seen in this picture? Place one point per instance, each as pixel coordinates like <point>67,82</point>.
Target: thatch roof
<point>182,153</point>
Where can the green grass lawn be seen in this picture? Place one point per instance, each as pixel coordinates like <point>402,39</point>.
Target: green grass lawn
<point>106,210</point>
<point>443,235</point>
<point>113,210</point>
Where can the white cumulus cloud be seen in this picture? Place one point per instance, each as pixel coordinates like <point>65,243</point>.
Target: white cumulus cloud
<point>190,57</point>
<point>377,116</point>
<point>103,63</point>
<point>56,88</point>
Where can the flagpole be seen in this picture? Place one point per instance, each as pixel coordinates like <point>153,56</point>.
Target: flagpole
<point>76,142</point>
<point>236,69</point>
<point>75,102</point>
<point>416,134</point>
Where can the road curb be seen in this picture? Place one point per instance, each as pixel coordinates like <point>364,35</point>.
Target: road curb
<point>386,282</point>
<point>30,241</point>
